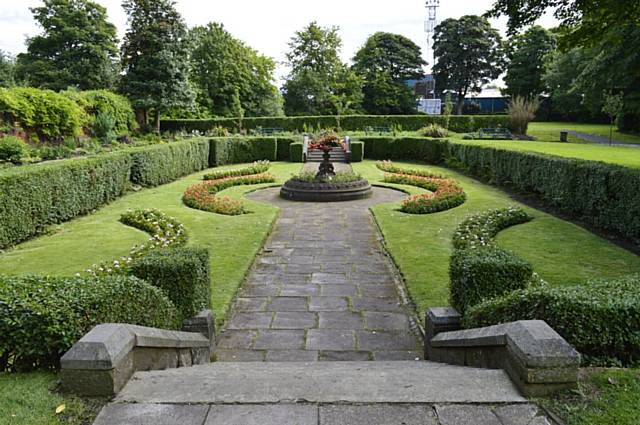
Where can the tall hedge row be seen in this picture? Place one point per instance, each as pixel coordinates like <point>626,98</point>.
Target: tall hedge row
<point>159,164</point>
<point>462,123</point>
<point>34,197</point>
<point>234,150</point>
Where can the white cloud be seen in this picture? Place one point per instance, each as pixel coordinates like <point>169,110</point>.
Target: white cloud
<point>267,26</point>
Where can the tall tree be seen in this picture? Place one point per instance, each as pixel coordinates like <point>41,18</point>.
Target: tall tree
<point>385,62</point>
<point>77,48</point>
<point>468,54</point>
<point>223,66</point>
<point>319,83</point>
<point>155,59</point>
<point>7,69</point>
<point>527,54</point>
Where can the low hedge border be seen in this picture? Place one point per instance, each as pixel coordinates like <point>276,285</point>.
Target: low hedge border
<point>457,123</point>
<point>42,317</point>
<point>182,273</point>
<point>357,151</point>
<point>296,152</point>
<point>237,150</point>
<point>600,319</point>
<point>257,167</point>
<point>202,196</point>
<point>479,270</point>
<point>446,193</point>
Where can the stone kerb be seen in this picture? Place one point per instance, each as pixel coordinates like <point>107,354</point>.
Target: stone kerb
<point>537,358</point>
<point>103,360</point>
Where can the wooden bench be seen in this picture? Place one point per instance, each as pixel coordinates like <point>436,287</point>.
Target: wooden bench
<point>495,134</point>
<point>378,130</point>
<point>268,131</point>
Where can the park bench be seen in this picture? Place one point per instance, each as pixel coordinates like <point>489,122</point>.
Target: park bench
<point>378,130</point>
<point>268,131</point>
<point>495,133</point>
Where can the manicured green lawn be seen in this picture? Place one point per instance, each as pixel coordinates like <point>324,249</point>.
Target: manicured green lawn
<point>27,398</point>
<point>560,252</point>
<point>606,397</point>
<point>550,131</point>
<point>627,156</point>
<point>232,240</point>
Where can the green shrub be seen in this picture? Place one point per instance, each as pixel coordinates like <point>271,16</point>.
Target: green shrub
<point>404,148</point>
<point>97,102</point>
<point>42,317</point>
<point>46,113</point>
<point>600,319</point>
<point>182,273</point>
<point>13,149</point>
<point>357,151</point>
<point>256,168</point>
<point>296,152</point>
<point>103,128</point>
<point>478,230</point>
<point>479,274</point>
<point>35,196</point>
<point>433,130</point>
<point>283,144</point>
<point>237,150</point>
<point>159,164</point>
<point>458,123</point>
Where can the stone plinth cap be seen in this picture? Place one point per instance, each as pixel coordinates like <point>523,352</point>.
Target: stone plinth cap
<point>107,344</point>
<point>533,342</point>
<point>443,316</point>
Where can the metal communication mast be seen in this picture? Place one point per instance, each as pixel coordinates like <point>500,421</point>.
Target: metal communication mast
<point>429,25</point>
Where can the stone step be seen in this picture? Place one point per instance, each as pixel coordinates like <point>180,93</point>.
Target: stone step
<point>321,382</point>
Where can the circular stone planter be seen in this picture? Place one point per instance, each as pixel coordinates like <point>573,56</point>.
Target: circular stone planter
<point>296,190</point>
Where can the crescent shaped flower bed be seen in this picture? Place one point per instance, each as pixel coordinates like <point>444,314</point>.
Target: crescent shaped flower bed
<point>445,193</point>
<point>258,167</point>
<point>202,196</point>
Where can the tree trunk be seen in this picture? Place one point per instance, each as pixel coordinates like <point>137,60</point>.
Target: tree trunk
<point>460,105</point>
<point>142,117</point>
<point>156,121</point>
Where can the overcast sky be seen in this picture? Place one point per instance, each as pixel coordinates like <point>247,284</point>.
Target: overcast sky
<point>267,26</point>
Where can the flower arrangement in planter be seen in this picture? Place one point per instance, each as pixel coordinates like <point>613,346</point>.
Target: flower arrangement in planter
<point>202,196</point>
<point>446,193</point>
<point>326,142</point>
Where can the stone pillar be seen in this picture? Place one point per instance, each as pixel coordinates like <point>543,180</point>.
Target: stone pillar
<point>203,323</point>
<point>439,319</point>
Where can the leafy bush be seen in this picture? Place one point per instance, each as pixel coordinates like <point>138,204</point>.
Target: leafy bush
<point>433,130</point>
<point>458,123</point>
<point>521,112</point>
<point>296,152</point>
<point>35,196</point>
<point>159,164</point>
<point>600,319</point>
<point>202,196</point>
<point>165,232</point>
<point>256,168</point>
<point>42,317</point>
<point>103,102</point>
<point>390,167</point>
<point>479,274</point>
<point>103,128</point>
<point>357,151</point>
<point>13,149</point>
<point>282,148</point>
<point>478,230</point>
<point>182,273</point>
<point>407,148</point>
<point>225,151</point>
<point>46,113</point>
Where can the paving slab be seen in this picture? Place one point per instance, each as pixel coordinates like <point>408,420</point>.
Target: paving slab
<point>279,414</point>
<point>151,414</point>
<point>377,414</point>
<point>321,382</point>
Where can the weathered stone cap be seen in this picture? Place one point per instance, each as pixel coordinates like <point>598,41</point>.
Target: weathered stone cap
<point>107,344</point>
<point>534,342</point>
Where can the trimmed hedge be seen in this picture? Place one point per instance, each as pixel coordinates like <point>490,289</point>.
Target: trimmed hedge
<point>182,273</point>
<point>42,317</point>
<point>357,151</point>
<point>159,164</point>
<point>408,148</point>
<point>282,150</point>
<point>296,152</point>
<point>236,150</point>
<point>33,197</point>
<point>257,167</point>
<point>479,274</point>
<point>458,123</point>
<point>600,319</point>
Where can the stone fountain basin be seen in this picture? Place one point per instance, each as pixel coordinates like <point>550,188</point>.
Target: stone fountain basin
<point>296,190</point>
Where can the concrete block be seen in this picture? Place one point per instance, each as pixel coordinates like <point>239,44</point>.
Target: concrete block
<point>203,323</point>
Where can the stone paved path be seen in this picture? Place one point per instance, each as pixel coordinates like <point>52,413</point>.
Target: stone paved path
<point>322,289</point>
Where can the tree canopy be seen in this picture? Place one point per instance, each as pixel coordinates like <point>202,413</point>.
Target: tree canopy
<point>155,59</point>
<point>468,55</point>
<point>77,48</point>
<point>319,83</point>
<point>385,62</point>
<point>527,55</point>
<point>223,66</point>
<point>7,69</point>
